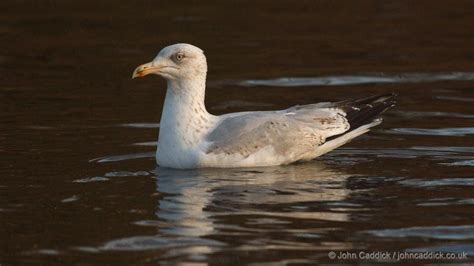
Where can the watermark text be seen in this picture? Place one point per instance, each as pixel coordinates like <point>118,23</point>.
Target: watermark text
<point>395,255</point>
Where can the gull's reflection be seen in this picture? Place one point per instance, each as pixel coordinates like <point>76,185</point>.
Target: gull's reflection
<point>198,210</point>
<point>192,199</point>
<point>185,195</point>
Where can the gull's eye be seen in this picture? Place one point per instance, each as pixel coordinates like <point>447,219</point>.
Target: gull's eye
<point>179,56</point>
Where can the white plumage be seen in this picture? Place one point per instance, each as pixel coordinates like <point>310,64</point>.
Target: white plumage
<point>190,137</point>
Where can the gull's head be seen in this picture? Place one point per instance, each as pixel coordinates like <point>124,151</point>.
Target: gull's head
<point>177,61</point>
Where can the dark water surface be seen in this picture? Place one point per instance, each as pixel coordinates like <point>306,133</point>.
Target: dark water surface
<point>78,178</point>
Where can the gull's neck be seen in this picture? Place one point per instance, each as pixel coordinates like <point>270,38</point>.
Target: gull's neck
<point>184,119</point>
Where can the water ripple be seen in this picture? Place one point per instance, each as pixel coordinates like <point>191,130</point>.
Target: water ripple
<point>91,179</point>
<point>437,152</point>
<point>446,202</point>
<point>126,173</point>
<point>458,232</point>
<point>453,98</point>
<point>413,114</point>
<point>70,199</point>
<point>418,182</point>
<point>461,163</point>
<point>116,158</point>
<point>453,131</point>
<point>147,143</point>
<point>450,149</point>
<point>141,125</point>
<point>157,242</point>
<point>358,79</point>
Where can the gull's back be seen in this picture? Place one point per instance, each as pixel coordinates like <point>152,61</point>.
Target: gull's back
<point>286,136</point>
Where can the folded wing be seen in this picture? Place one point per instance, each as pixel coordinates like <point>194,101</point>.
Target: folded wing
<point>297,132</point>
<point>293,133</point>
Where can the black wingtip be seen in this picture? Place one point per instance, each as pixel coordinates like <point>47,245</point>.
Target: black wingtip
<point>363,111</point>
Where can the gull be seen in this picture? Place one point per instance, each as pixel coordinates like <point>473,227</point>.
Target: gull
<point>190,137</point>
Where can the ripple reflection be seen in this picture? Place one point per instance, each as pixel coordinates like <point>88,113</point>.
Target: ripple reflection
<point>192,202</point>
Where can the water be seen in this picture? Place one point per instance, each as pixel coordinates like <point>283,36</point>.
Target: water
<point>78,177</point>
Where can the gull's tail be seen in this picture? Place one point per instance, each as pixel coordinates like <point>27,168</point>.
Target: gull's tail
<point>362,114</point>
